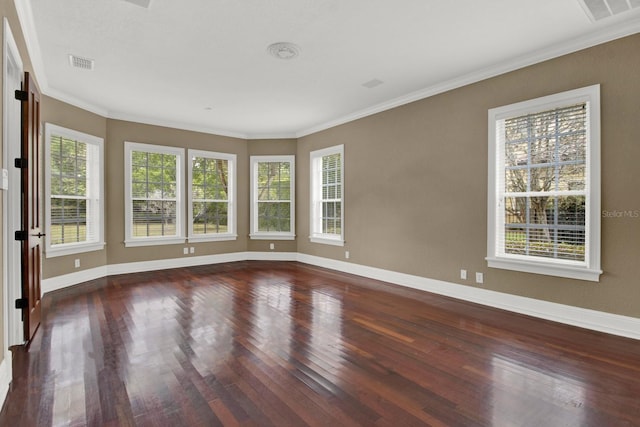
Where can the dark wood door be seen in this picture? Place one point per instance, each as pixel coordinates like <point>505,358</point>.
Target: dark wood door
<point>31,207</point>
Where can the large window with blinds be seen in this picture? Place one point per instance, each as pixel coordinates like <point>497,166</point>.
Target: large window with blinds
<point>74,191</point>
<point>153,194</point>
<point>212,184</point>
<point>327,190</point>
<point>273,197</point>
<point>544,188</point>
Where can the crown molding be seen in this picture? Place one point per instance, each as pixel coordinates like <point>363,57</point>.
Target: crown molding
<point>612,31</point>
<point>25,17</point>
<point>604,35</point>
<point>175,124</point>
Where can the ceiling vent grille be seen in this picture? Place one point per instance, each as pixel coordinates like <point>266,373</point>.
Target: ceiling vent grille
<point>80,62</point>
<point>601,9</point>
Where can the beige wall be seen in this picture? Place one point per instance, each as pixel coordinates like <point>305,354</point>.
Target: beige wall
<point>416,181</point>
<point>120,131</point>
<point>65,115</point>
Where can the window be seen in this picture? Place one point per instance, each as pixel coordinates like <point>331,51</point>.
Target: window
<point>153,194</point>
<point>327,213</point>
<point>544,185</point>
<point>212,194</point>
<point>74,191</point>
<point>272,197</point>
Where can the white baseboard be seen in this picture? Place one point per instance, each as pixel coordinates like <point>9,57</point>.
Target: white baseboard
<point>164,264</point>
<point>5,376</point>
<point>590,319</point>
<point>66,280</point>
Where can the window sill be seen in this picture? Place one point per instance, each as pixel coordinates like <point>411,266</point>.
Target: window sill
<point>546,268</point>
<point>154,241</point>
<point>212,238</point>
<point>73,249</point>
<point>273,236</point>
<point>327,240</point>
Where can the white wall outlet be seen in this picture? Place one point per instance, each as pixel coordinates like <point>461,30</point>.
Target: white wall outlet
<point>346,254</point>
<point>479,278</point>
<point>192,250</point>
<point>185,251</point>
<point>76,262</point>
<point>272,246</point>
<point>463,274</point>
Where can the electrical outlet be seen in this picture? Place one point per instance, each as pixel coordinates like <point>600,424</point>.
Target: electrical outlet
<point>463,274</point>
<point>192,250</point>
<point>76,262</point>
<point>185,251</point>
<point>272,246</point>
<point>346,254</point>
<point>479,278</point>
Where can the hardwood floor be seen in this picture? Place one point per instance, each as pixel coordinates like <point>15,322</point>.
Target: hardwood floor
<point>286,344</point>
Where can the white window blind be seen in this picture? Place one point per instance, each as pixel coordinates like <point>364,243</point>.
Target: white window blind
<point>74,191</point>
<point>327,213</point>
<point>544,185</point>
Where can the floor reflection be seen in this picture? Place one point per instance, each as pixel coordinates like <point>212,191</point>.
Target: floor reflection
<point>534,396</point>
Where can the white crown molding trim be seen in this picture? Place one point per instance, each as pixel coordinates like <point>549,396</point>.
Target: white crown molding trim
<point>175,125</point>
<point>606,34</point>
<point>25,16</point>
<point>584,318</point>
<point>63,97</point>
<point>5,375</point>
<point>613,31</point>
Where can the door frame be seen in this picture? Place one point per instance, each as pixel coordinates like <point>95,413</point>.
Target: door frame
<point>11,129</point>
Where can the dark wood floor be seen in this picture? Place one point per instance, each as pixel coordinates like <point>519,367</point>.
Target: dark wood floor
<point>255,343</point>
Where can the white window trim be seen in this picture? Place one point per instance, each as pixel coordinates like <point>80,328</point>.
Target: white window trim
<point>315,220</point>
<point>254,234</point>
<point>74,248</point>
<point>231,234</point>
<point>131,241</point>
<point>589,269</point>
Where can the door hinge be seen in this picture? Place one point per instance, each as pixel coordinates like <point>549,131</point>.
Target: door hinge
<point>22,303</point>
<point>20,163</point>
<point>21,235</point>
<point>22,95</point>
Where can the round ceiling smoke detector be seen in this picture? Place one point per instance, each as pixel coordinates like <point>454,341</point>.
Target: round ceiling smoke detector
<point>283,50</point>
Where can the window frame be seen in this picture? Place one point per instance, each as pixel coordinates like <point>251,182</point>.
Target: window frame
<point>231,233</point>
<point>179,238</point>
<point>315,221</point>
<point>589,269</point>
<point>98,243</point>
<point>254,233</point>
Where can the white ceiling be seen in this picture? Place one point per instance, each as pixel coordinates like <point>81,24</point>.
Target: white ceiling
<point>203,64</point>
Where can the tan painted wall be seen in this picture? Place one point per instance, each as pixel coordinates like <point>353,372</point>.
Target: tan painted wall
<point>120,131</point>
<point>68,116</point>
<point>273,147</point>
<point>416,181</point>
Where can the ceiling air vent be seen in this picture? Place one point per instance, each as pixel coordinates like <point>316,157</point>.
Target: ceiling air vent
<point>80,62</point>
<point>600,9</point>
